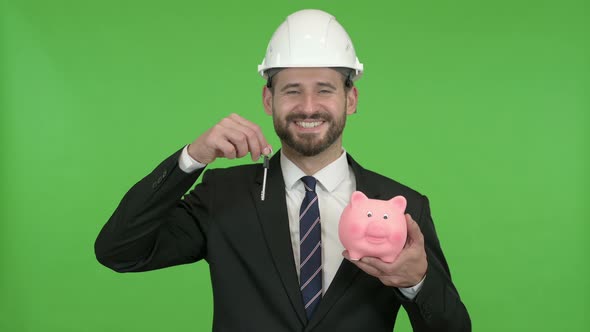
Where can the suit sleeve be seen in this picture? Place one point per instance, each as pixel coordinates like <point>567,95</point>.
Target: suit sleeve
<point>437,307</point>
<point>153,226</point>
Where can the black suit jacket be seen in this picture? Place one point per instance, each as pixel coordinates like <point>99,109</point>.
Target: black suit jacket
<point>247,244</point>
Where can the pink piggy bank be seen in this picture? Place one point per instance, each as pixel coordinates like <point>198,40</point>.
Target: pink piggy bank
<point>373,227</point>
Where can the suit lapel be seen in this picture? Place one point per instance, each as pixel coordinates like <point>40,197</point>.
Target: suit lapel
<point>272,214</point>
<point>347,271</point>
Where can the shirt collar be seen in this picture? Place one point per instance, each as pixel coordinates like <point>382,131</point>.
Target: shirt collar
<point>329,177</point>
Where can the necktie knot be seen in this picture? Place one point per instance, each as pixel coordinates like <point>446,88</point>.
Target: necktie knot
<point>309,183</point>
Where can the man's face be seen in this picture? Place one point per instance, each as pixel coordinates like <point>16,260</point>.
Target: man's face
<point>309,108</point>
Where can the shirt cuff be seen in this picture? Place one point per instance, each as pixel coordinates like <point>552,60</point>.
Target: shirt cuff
<point>411,292</point>
<point>187,164</point>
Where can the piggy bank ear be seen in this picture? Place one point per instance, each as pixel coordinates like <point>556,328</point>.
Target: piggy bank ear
<point>399,202</point>
<point>357,197</point>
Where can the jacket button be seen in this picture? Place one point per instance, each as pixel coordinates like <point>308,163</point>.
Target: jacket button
<point>426,311</point>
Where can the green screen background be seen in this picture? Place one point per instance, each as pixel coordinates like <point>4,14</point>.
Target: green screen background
<point>482,106</point>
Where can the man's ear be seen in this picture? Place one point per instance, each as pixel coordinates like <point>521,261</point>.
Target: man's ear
<point>267,100</point>
<point>352,98</point>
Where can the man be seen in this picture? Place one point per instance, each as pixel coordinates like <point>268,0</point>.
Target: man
<point>271,269</point>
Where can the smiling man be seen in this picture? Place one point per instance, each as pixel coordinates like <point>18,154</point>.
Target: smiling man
<point>277,264</point>
<point>309,108</point>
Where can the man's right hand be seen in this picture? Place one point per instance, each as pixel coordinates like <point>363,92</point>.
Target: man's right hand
<point>233,137</point>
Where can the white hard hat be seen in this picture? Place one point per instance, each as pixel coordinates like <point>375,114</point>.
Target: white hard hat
<point>310,38</point>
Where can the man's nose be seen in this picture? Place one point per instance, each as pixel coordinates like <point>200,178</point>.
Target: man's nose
<point>309,103</point>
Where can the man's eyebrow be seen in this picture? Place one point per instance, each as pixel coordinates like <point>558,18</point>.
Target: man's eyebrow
<point>319,84</point>
<point>326,84</point>
<point>290,85</point>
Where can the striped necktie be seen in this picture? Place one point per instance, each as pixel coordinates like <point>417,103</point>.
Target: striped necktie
<point>310,270</point>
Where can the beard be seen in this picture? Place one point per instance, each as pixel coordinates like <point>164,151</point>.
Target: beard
<point>309,144</point>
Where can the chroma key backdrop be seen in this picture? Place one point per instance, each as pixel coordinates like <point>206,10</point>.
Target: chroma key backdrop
<point>483,106</point>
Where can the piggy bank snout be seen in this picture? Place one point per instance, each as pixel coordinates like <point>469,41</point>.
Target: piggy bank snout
<point>378,229</point>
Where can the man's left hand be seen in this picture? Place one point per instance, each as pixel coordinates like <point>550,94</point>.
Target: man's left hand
<point>409,267</point>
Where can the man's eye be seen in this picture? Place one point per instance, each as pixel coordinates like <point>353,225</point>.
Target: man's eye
<point>325,91</point>
<point>292,92</point>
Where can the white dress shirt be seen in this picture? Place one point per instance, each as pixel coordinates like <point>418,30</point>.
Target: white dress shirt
<point>336,183</point>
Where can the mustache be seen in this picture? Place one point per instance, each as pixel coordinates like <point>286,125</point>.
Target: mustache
<point>323,116</point>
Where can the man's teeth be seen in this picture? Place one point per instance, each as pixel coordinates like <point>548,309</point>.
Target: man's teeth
<point>309,124</point>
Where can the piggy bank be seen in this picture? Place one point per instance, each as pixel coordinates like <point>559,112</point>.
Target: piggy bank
<point>373,227</point>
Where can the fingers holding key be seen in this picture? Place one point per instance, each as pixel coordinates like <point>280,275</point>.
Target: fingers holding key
<point>233,137</point>
<point>257,144</point>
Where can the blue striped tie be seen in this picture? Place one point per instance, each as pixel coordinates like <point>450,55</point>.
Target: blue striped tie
<point>310,270</point>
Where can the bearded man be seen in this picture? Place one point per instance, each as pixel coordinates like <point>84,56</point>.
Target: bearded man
<point>270,269</point>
